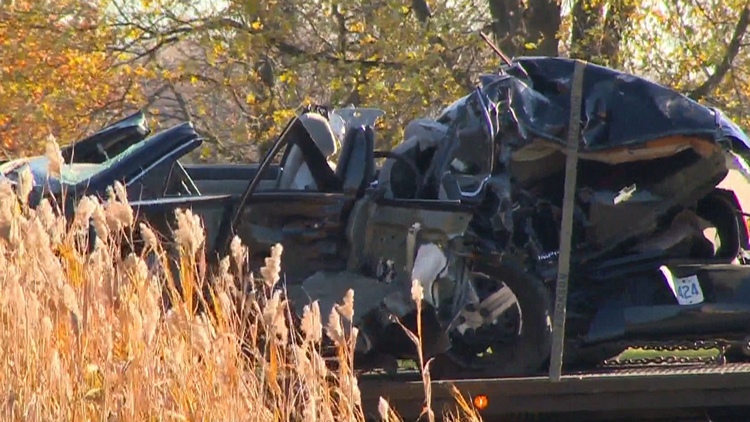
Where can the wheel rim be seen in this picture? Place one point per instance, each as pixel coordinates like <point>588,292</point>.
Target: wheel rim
<point>487,335</point>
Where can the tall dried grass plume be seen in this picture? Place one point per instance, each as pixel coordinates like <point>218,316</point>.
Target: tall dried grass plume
<point>86,334</point>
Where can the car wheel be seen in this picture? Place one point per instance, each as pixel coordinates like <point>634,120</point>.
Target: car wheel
<point>515,333</point>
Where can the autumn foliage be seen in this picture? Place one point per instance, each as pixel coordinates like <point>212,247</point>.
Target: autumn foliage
<point>240,68</point>
<point>57,77</point>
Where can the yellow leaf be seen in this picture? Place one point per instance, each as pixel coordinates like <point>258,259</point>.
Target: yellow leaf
<point>257,25</point>
<point>357,27</point>
<point>367,39</point>
<point>285,77</point>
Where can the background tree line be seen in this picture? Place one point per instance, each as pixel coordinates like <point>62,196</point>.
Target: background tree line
<point>239,68</point>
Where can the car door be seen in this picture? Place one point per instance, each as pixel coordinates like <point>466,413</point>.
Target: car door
<point>309,223</point>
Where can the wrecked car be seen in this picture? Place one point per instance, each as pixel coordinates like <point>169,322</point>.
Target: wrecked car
<point>469,204</point>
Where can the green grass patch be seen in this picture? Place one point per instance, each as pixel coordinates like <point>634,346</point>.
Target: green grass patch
<point>645,354</point>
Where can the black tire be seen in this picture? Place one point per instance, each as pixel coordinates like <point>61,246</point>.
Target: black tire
<point>531,348</point>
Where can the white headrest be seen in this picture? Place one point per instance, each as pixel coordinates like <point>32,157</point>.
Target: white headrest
<point>321,132</point>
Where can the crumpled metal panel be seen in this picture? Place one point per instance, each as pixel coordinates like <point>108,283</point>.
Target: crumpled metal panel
<point>613,101</point>
<point>388,225</point>
<point>640,213</point>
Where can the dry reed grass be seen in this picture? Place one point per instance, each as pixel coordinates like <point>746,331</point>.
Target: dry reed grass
<point>84,336</point>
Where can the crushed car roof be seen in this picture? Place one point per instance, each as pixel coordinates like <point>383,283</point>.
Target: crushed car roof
<point>619,109</point>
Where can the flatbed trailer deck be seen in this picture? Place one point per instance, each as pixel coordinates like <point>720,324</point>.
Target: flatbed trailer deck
<point>697,392</point>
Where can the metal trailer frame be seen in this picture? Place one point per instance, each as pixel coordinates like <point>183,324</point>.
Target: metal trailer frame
<point>677,393</point>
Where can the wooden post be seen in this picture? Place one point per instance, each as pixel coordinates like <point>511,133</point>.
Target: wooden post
<point>566,229</point>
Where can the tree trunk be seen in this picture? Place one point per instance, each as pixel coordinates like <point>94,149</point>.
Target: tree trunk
<point>526,30</point>
<point>596,32</point>
<point>585,29</point>
<point>615,25</point>
<point>543,23</point>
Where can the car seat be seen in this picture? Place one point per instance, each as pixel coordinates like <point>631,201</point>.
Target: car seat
<point>297,174</point>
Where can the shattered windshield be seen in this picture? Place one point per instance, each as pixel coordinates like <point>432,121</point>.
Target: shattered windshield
<point>39,167</point>
<point>70,174</point>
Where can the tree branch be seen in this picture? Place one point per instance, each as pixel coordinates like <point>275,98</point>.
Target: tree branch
<point>174,35</point>
<point>293,50</point>
<point>726,63</point>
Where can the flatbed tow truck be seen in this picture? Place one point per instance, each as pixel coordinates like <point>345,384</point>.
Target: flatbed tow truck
<point>704,392</point>
<point>687,388</point>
